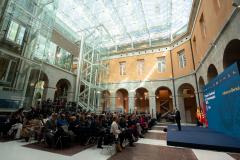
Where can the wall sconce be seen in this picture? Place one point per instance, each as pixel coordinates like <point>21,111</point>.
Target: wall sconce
<point>212,45</point>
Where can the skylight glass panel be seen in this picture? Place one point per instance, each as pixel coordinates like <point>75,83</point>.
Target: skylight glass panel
<point>127,21</point>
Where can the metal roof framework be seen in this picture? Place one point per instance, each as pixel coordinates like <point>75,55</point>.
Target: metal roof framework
<point>127,21</point>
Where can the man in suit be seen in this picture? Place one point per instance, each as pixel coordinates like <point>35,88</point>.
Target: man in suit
<point>178,119</point>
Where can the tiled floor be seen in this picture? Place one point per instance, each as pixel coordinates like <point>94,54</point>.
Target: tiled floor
<point>153,146</point>
<point>15,150</point>
<point>157,136</point>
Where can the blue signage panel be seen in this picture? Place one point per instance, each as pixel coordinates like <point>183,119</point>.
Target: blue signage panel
<point>222,98</point>
<point>9,104</point>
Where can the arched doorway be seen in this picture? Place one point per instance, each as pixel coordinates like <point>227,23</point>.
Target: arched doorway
<point>142,100</point>
<point>38,93</point>
<point>121,100</point>
<point>212,72</point>
<point>105,103</point>
<point>201,84</point>
<point>37,88</point>
<point>187,102</point>
<point>63,86</point>
<point>231,53</point>
<point>164,102</point>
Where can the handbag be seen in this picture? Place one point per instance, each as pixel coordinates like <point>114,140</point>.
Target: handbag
<point>118,147</point>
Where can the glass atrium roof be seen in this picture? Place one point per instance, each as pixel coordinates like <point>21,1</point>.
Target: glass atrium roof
<point>127,21</point>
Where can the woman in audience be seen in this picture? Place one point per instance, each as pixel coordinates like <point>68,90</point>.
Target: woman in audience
<point>126,133</point>
<point>114,127</point>
<point>116,131</point>
<point>31,127</point>
<point>16,120</point>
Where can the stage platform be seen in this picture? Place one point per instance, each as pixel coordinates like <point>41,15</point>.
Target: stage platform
<point>201,138</point>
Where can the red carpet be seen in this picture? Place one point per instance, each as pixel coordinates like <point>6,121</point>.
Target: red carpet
<point>68,151</point>
<point>235,155</point>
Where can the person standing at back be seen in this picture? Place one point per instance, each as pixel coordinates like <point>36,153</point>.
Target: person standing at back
<point>178,119</point>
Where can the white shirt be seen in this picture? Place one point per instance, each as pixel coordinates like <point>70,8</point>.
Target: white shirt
<point>114,129</point>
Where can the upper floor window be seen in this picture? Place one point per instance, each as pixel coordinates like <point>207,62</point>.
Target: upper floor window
<point>194,45</point>
<point>51,50</point>
<point>107,68</point>
<point>161,64</point>
<point>203,26</point>
<point>8,68</point>
<point>40,48</point>
<point>106,72</point>
<point>122,66</point>
<point>140,66</point>
<point>63,59</point>
<point>16,33</point>
<point>182,59</point>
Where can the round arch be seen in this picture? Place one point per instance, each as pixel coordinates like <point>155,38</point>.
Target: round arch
<point>231,53</point>
<point>142,100</point>
<point>187,102</point>
<point>37,85</point>
<point>212,72</point>
<point>164,101</point>
<point>105,100</point>
<point>121,100</point>
<point>63,87</point>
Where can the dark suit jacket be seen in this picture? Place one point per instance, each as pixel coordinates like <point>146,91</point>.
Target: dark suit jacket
<point>177,116</point>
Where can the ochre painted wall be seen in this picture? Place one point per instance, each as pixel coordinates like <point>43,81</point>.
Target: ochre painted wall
<point>189,62</point>
<point>150,66</point>
<point>214,18</point>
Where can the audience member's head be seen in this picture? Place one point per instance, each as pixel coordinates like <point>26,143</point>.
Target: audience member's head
<point>54,116</point>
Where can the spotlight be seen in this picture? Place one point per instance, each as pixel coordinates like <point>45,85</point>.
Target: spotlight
<point>58,55</point>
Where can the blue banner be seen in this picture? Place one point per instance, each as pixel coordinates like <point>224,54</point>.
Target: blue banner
<point>222,98</point>
<point>9,104</point>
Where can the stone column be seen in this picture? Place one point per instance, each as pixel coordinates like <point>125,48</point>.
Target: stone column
<point>51,90</point>
<point>152,105</point>
<point>70,96</point>
<point>131,102</point>
<point>113,103</point>
<point>181,107</point>
<point>197,98</point>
